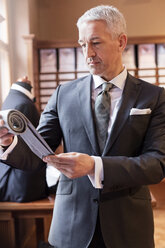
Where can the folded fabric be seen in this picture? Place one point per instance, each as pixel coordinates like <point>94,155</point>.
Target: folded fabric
<point>136,111</point>
<point>18,124</point>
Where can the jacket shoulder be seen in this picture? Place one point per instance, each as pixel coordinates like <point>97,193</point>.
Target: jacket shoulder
<point>144,83</point>
<point>86,78</point>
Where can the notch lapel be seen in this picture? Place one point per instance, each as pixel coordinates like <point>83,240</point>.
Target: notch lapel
<point>130,94</point>
<point>84,91</point>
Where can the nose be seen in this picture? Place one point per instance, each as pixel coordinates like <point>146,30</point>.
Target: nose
<point>90,52</point>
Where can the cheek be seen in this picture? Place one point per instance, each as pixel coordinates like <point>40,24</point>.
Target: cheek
<point>110,57</point>
<point>106,58</point>
<point>101,54</point>
<point>105,54</point>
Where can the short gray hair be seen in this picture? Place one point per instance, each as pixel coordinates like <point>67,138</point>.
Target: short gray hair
<point>115,20</point>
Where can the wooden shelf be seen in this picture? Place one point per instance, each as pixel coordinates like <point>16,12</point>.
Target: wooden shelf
<point>48,85</point>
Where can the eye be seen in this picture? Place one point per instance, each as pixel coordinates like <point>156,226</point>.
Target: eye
<point>96,43</point>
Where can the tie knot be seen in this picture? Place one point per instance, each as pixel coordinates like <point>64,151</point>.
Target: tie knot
<point>107,86</point>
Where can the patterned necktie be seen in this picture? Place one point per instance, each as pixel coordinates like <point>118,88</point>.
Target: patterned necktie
<point>102,114</point>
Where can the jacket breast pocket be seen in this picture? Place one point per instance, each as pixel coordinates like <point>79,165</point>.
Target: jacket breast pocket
<point>139,122</point>
<point>64,187</point>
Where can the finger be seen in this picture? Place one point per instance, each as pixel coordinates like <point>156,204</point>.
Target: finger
<point>59,166</point>
<point>67,174</point>
<point>7,139</point>
<point>67,154</point>
<point>60,159</point>
<point>2,123</point>
<point>3,131</point>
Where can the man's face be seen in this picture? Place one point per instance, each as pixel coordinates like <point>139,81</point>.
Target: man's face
<point>102,53</point>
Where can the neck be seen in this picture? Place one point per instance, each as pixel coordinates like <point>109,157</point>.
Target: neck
<point>114,74</point>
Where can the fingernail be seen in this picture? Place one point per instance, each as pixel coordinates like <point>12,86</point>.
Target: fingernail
<point>45,159</point>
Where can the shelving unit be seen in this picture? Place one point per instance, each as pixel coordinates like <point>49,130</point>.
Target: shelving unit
<point>54,63</point>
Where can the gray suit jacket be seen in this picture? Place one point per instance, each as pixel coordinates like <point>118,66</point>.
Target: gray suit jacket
<point>134,157</point>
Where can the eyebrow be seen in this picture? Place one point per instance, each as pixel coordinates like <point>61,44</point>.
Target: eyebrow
<point>93,38</point>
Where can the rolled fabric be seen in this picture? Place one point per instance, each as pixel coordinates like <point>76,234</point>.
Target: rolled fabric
<point>18,124</point>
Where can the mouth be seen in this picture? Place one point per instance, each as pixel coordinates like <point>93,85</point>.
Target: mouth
<point>93,63</point>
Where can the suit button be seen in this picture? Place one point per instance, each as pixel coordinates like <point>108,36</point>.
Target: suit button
<point>96,200</point>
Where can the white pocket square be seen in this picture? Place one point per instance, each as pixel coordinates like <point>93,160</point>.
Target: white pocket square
<point>136,111</point>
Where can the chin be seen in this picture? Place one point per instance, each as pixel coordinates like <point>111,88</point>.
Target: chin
<point>95,72</point>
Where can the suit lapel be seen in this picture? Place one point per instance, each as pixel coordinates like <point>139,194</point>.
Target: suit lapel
<point>84,91</point>
<point>129,97</point>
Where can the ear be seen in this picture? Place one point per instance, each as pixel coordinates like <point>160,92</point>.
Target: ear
<point>122,42</point>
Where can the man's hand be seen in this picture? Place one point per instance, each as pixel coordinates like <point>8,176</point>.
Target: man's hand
<point>6,138</point>
<point>72,165</point>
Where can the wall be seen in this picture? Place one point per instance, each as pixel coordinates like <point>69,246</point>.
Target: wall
<point>33,16</point>
<point>57,18</point>
<point>18,26</point>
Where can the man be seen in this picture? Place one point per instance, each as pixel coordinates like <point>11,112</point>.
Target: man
<point>102,199</point>
<point>17,185</point>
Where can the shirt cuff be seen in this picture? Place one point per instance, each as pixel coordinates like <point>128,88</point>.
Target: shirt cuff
<point>98,176</point>
<point>4,155</point>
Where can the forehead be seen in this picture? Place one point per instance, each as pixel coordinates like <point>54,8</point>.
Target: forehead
<point>90,29</point>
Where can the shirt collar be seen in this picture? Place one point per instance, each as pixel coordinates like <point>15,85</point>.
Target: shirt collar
<point>118,81</point>
<point>23,90</point>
